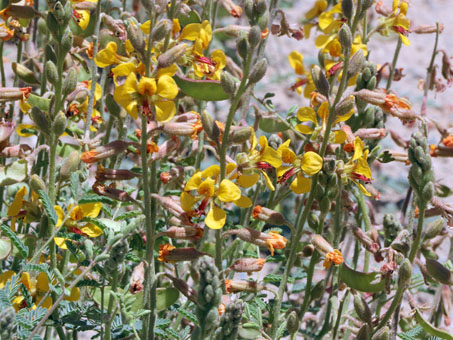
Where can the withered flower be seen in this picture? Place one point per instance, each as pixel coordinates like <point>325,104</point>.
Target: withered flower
<point>272,240</point>
<point>235,286</point>
<point>104,151</point>
<point>248,265</point>
<point>169,253</point>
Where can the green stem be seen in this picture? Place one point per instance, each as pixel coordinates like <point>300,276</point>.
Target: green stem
<point>108,327</point>
<point>429,72</point>
<point>416,244</point>
<point>393,67</point>
<point>366,221</point>
<point>2,66</point>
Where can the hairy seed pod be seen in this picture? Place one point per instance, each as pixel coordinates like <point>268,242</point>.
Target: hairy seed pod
<point>70,165</point>
<point>362,309</point>
<point>292,323</point>
<point>320,81</point>
<point>243,47</point>
<point>364,332</point>
<point>66,42</point>
<point>439,272</point>
<point>59,124</point>
<point>36,184</point>
<point>258,71</point>
<point>171,56</point>
<point>209,126</point>
<point>70,82</point>
<point>254,36</point>
<point>356,63</point>
<point>382,334</point>
<point>405,273</point>
<point>434,228</point>
<point>228,83</point>
<point>345,38</point>
<point>52,74</point>
<point>41,120</point>
<point>162,29</point>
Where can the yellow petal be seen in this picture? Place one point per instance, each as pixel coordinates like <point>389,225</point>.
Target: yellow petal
<point>219,57</point>
<point>18,202</point>
<point>84,18</point>
<point>323,111</point>
<point>91,230</point>
<point>271,156</point>
<point>301,184</point>
<point>122,70</point>
<point>147,86</point>
<point>296,62</point>
<point>340,137</point>
<point>60,242</point>
<point>187,201</point>
<point>167,71</point>
<point>60,214</point>
<point>247,181</point>
<point>24,106</point>
<point>307,114</point>
<point>243,202</point>
<point>5,277</point>
<point>362,188</point>
<point>228,191</point>
<point>165,110</point>
<point>216,218</point>
<point>25,279</point>
<point>358,148</point>
<point>268,181</point>
<point>42,282</point>
<point>74,296</point>
<point>212,171</point>
<point>166,87</point>
<point>194,182</point>
<point>91,209</point>
<point>306,130</point>
<point>405,40</point>
<point>190,32</point>
<point>311,163</point>
<point>146,26</point>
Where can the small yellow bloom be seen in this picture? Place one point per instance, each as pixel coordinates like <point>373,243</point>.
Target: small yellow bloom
<point>296,60</point>
<point>200,34</point>
<point>210,67</point>
<point>316,10</point>
<point>357,168</point>
<point>109,56</point>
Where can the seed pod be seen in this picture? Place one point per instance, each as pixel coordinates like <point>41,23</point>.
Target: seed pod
<point>171,56</point>
<point>209,126</point>
<point>347,8</point>
<point>240,135</point>
<point>41,120</point>
<point>66,42</point>
<point>382,334</point>
<point>59,124</point>
<point>434,228</point>
<point>439,272</point>
<point>162,29</point>
<point>356,63</point>
<point>249,9</point>
<point>320,81</point>
<point>258,71</point>
<point>362,309</point>
<point>292,324</point>
<point>254,36</point>
<point>36,183</point>
<point>242,46</point>
<point>228,83</point>
<point>405,273</point>
<point>52,74</point>
<point>345,38</point>
<point>318,290</point>
<point>70,165</point>
<point>364,332</point>
<point>70,82</point>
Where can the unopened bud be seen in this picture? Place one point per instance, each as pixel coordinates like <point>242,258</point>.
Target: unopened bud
<point>308,250</point>
<point>347,7</point>
<point>136,37</point>
<point>258,71</point>
<point>356,63</point>
<point>434,228</point>
<point>345,38</point>
<point>405,273</point>
<point>209,126</point>
<point>70,165</point>
<point>254,36</point>
<point>382,334</point>
<point>439,272</point>
<point>66,42</point>
<point>183,287</point>
<point>362,309</point>
<point>59,124</point>
<point>36,184</point>
<point>364,333</point>
<point>248,265</point>
<point>428,192</point>
<point>51,72</point>
<point>263,21</point>
<point>171,56</point>
<point>242,46</point>
<point>318,290</point>
<point>239,135</point>
<point>24,73</point>
<point>41,120</point>
<point>371,97</point>
<point>161,30</point>
<point>346,105</point>
<point>20,12</point>
<point>184,233</point>
<point>427,29</point>
<point>249,9</point>
<point>260,7</point>
<point>320,81</point>
<point>70,82</point>
<point>228,83</point>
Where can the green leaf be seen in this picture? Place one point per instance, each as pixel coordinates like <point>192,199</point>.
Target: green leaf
<point>20,246</point>
<point>273,278</point>
<point>385,157</point>
<point>93,198</point>
<point>191,18</point>
<point>249,333</point>
<point>13,173</point>
<point>48,207</point>
<point>75,184</point>
<point>129,214</point>
<point>188,315</point>
<point>364,282</point>
<point>166,297</point>
<point>40,102</point>
<point>272,124</point>
<point>96,221</point>
<point>411,334</point>
<point>209,90</point>
<point>5,248</point>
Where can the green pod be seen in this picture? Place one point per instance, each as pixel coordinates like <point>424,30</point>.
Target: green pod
<point>52,74</point>
<point>59,124</point>
<point>36,183</point>
<point>243,47</point>
<point>362,309</point>
<point>66,43</point>
<point>254,36</point>
<point>439,272</point>
<point>41,120</point>
<point>405,273</point>
<point>371,85</point>
<point>434,228</point>
<point>70,82</point>
<point>345,38</point>
<point>428,192</point>
<point>258,71</point>
<point>320,80</point>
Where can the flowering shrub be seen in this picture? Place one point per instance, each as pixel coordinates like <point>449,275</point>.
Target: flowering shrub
<point>147,191</point>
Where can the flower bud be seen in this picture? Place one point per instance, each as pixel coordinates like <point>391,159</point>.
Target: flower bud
<point>320,80</point>
<point>268,215</point>
<point>347,7</point>
<point>66,42</point>
<point>272,240</point>
<point>318,290</point>
<point>104,174</point>
<point>209,126</point>
<point>428,192</point>
<point>242,46</point>
<point>20,12</point>
<point>427,29</point>
<point>346,105</point>
<point>313,221</point>
<point>439,272</point>
<point>292,323</point>
<point>248,265</point>
<point>356,63</point>
<point>240,134</point>
<point>36,184</point>
<point>136,37</point>
<point>59,124</point>
<point>249,9</point>
<point>70,165</point>
<point>434,228</point>
<point>162,29</point>
<point>70,82</point>
<point>308,250</point>
<point>382,334</point>
<point>51,72</point>
<point>263,21</point>
<point>405,273</point>
<point>183,233</point>
<point>254,36</point>
<point>362,309</point>
<point>321,244</point>
<point>171,56</point>
<point>41,120</point>
<point>260,7</point>
<point>228,83</point>
<point>258,71</point>
<point>345,38</point>
<point>364,333</point>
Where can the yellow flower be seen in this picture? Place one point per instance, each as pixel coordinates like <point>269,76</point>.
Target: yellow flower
<point>204,186</point>
<point>357,168</point>
<point>296,62</point>
<point>109,56</point>
<point>316,10</point>
<point>256,162</point>
<point>309,164</point>
<point>210,67</point>
<point>76,214</point>
<point>200,34</point>
<point>397,22</point>
<point>307,114</point>
<point>159,92</point>
<point>16,207</point>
